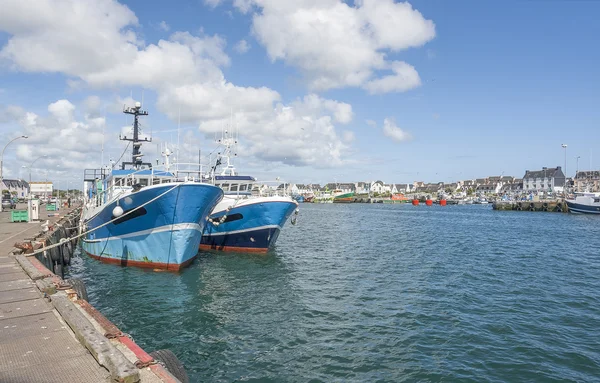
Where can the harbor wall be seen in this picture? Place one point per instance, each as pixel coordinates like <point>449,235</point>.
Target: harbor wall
<point>44,258</point>
<point>558,206</point>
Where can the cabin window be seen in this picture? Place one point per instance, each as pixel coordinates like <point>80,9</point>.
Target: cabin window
<point>117,181</point>
<point>225,187</point>
<point>596,199</point>
<point>143,181</point>
<point>243,187</point>
<point>156,181</point>
<point>234,187</point>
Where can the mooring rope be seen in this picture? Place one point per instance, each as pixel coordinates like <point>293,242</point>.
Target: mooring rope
<point>43,249</point>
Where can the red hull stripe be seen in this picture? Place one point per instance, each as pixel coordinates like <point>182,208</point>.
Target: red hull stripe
<point>234,248</point>
<point>145,265</point>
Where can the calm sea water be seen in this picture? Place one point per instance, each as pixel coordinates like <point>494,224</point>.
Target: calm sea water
<point>378,293</point>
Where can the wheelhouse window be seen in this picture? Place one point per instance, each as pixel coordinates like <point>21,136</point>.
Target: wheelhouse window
<point>225,187</point>
<point>243,187</point>
<point>143,181</point>
<point>234,187</point>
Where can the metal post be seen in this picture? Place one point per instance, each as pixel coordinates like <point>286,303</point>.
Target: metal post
<point>564,146</point>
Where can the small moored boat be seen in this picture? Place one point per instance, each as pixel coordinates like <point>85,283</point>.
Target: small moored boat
<point>584,202</point>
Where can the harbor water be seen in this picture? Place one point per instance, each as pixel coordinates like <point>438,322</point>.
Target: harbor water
<point>377,293</point>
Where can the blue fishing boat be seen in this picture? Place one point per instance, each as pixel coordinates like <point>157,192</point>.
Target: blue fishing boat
<point>248,219</point>
<point>141,216</point>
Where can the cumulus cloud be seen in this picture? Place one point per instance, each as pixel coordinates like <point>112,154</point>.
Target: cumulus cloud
<point>337,45</point>
<point>164,26</point>
<point>96,45</point>
<point>405,77</point>
<point>348,136</point>
<point>391,130</point>
<point>69,143</point>
<point>242,47</point>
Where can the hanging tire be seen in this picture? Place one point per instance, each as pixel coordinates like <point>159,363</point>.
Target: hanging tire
<point>79,287</point>
<point>171,363</point>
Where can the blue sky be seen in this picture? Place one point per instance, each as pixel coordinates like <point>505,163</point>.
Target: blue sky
<point>502,86</point>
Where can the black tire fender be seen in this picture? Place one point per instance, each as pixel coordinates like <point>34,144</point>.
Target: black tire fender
<point>79,287</point>
<point>169,360</point>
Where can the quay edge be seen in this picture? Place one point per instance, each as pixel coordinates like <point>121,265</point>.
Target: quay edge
<point>112,349</point>
<point>558,206</point>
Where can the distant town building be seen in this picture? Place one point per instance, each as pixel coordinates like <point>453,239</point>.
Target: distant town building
<point>378,187</point>
<point>547,179</point>
<point>17,188</point>
<point>588,180</point>
<point>43,188</point>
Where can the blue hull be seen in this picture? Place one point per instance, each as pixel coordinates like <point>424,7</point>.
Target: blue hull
<point>249,228</point>
<point>164,234</point>
<point>579,208</point>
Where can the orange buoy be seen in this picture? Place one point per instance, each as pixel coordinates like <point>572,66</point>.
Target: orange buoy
<point>415,202</point>
<point>429,202</point>
<point>443,202</point>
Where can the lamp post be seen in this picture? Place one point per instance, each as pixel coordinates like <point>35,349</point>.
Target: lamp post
<point>2,156</point>
<point>577,170</point>
<point>564,146</point>
<point>30,165</point>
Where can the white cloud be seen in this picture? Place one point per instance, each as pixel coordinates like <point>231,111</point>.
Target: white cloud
<point>405,77</point>
<point>394,132</point>
<point>68,142</point>
<point>242,47</point>
<point>348,136</point>
<point>95,44</point>
<point>164,26</point>
<point>337,45</point>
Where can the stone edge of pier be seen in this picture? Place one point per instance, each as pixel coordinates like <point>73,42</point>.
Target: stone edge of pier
<point>112,349</point>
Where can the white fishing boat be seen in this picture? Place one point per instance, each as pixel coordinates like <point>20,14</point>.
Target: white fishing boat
<point>584,202</point>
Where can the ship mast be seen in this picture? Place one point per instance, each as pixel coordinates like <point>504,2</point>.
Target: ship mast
<point>136,156</point>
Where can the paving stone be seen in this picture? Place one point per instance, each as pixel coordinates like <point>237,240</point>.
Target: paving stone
<point>19,295</point>
<point>15,285</point>
<point>14,276</point>
<point>23,308</point>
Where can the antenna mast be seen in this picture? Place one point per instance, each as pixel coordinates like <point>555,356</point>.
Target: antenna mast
<point>136,156</point>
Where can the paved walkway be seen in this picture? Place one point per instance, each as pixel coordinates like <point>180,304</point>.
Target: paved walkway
<point>35,344</point>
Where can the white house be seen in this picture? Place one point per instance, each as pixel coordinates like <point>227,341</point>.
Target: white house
<point>377,187</point>
<point>547,179</point>
<point>17,188</point>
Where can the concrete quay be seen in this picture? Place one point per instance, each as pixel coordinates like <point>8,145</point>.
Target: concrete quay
<point>48,333</point>
<point>558,206</point>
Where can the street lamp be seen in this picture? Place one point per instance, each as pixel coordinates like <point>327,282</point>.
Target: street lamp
<point>2,156</point>
<point>30,165</point>
<point>564,146</point>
